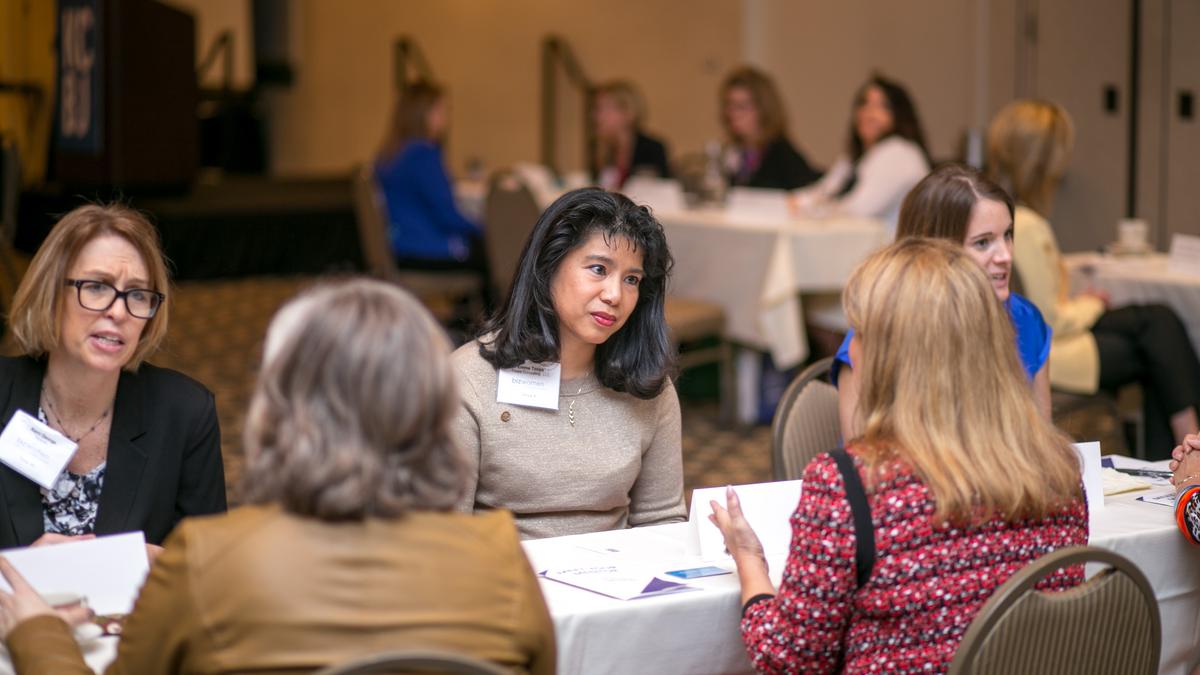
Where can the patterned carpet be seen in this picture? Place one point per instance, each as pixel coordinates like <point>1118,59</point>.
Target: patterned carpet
<point>216,335</point>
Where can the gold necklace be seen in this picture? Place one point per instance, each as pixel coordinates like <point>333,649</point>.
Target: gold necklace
<point>571,406</point>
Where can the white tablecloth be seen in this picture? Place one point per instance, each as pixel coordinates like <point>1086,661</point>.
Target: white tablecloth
<point>1138,281</point>
<point>698,632</point>
<point>755,268</point>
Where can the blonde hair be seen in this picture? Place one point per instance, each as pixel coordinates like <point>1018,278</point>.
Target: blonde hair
<point>941,387</point>
<point>351,415</point>
<point>627,97</point>
<point>38,303</point>
<point>1029,143</point>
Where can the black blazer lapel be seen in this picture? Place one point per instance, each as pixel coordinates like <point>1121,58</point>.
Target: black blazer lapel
<point>126,459</point>
<point>23,497</point>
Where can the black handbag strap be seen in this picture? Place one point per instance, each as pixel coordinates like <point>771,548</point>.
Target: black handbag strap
<point>864,530</point>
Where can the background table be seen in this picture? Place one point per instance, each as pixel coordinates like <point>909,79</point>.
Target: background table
<point>698,632</point>
<point>757,267</point>
<point>1139,280</point>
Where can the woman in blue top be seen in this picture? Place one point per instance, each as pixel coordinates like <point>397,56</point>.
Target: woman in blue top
<point>427,230</point>
<point>958,203</point>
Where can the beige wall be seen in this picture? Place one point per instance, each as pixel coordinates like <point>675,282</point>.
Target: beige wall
<point>487,52</point>
<point>821,52</point>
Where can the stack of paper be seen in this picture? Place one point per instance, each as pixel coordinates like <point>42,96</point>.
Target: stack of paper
<point>623,582</point>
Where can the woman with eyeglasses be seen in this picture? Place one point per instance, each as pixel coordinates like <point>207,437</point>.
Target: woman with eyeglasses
<point>91,308</point>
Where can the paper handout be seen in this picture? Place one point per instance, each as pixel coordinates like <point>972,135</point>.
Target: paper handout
<point>107,571</point>
<point>768,508</point>
<point>623,582</point>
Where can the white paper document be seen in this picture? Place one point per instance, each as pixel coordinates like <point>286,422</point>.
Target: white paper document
<point>34,450</point>
<point>761,203</point>
<point>623,582</point>
<point>1184,257</point>
<point>768,508</point>
<point>660,194</point>
<point>1093,477</point>
<point>108,571</point>
<point>530,384</point>
<point>1166,498</point>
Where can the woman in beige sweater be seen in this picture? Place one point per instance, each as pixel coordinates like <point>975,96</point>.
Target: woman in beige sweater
<point>1094,346</point>
<point>569,418</point>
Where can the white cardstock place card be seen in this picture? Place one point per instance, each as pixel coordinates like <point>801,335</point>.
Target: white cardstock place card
<point>529,384</point>
<point>1184,257</point>
<point>34,450</point>
<point>768,508</point>
<point>1093,475</point>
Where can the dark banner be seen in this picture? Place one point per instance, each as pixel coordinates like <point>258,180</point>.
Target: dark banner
<point>80,73</point>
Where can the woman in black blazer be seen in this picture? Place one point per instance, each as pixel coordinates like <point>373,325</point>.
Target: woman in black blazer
<point>622,148</point>
<point>87,314</point>
<point>761,155</point>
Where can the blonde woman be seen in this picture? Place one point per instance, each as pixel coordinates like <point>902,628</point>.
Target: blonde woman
<point>348,544</point>
<point>623,149</point>
<point>1094,347</point>
<point>956,482</point>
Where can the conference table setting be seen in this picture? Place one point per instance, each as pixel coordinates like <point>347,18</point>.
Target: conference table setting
<point>1171,279</point>
<point>666,598</point>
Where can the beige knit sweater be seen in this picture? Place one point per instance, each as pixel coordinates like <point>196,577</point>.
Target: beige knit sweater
<point>618,466</point>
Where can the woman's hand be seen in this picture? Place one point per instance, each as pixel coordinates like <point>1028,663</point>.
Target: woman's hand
<point>1187,469</point>
<point>50,538</point>
<point>1191,443</point>
<point>152,552</point>
<point>740,539</point>
<point>1101,295</point>
<point>25,603</point>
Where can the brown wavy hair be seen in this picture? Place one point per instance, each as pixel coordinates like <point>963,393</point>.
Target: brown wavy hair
<point>772,119</point>
<point>37,306</point>
<point>351,415</point>
<point>940,205</point>
<point>941,387</point>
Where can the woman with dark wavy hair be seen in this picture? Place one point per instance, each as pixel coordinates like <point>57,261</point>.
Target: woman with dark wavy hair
<point>885,157</point>
<point>349,544</point>
<point>569,417</point>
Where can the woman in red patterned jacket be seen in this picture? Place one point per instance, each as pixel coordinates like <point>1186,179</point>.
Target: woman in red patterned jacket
<point>965,483</point>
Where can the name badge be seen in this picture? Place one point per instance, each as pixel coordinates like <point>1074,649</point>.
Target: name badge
<point>34,450</point>
<point>530,384</point>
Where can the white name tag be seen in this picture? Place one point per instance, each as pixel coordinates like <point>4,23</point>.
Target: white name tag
<point>34,450</point>
<point>531,384</point>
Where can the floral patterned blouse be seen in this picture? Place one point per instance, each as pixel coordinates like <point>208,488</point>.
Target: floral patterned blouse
<point>70,506</point>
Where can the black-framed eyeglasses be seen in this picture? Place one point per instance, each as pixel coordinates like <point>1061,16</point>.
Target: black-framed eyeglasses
<point>98,296</point>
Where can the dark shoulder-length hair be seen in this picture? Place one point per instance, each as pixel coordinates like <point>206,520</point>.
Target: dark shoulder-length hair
<point>638,358</point>
<point>905,122</point>
<point>940,205</point>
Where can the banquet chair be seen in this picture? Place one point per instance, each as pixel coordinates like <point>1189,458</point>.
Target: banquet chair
<point>415,661</point>
<point>1109,625</point>
<point>806,421</point>
<point>691,323</point>
<point>509,214</point>
<point>438,290</point>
